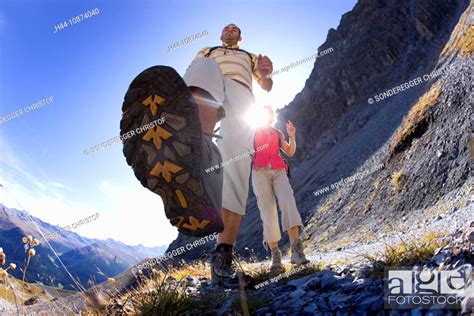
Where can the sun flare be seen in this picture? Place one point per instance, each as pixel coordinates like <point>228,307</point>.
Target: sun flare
<point>256,116</point>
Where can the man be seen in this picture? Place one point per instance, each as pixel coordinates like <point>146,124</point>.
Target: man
<point>170,159</point>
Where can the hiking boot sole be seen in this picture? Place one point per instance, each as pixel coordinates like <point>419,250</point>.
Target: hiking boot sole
<point>163,144</point>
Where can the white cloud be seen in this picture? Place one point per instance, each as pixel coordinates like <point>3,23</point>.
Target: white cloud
<point>40,196</point>
<point>130,214</point>
<point>135,214</point>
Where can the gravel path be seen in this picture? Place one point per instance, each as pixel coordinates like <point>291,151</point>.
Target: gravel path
<point>458,219</point>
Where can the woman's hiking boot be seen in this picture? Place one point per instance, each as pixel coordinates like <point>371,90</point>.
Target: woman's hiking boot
<point>277,266</point>
<point>297,253</point>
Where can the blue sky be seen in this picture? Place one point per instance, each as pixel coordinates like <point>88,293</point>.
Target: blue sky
<point>87,68</point>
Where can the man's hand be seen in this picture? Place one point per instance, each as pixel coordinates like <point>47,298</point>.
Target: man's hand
<point>264,65</point>
<point>290,129</point>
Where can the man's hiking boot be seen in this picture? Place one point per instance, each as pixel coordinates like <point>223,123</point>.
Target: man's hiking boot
<point>164,145</point>
<point>277,266</point>
<point>297,253</point>
<point>224,270</point>
<point>222,265</point>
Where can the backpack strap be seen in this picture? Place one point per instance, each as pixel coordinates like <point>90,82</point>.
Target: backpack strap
<point>281,150</point>
<point>238,49</point>
<point>279,139</point>
<point>254,150</point>
<point>211,50</point>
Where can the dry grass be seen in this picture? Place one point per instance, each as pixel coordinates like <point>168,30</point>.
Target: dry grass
<point>443,207</point>
<point>260,272</point>
<point>377,183</point>
<point>407,253</point>
<point>325,207</point>
<point>6,293</point>
<point>370,201</point>
<point>322,239</point>
<point>197,269</point>
<point>161,297</point>
<point>466,43</point>
<point>416,121</point>
<point>344,241</point>
<point>388,228</point>
<point>350,207</point>
<point>398,180</point>
<point>164,293</point>
<point>462,39</point>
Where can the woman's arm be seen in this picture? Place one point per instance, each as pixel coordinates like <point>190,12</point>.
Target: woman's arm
<point>288,148</point>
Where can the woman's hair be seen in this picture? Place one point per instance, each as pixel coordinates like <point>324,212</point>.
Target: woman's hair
<point>268,107</point>
<point>270,111</point>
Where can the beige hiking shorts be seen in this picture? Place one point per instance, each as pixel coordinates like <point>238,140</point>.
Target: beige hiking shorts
<point>237,135</point>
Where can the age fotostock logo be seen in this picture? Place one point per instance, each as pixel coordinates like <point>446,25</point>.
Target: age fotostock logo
<point>407,289</point>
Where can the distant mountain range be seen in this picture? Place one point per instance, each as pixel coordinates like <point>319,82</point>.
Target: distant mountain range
<point>85,258</point>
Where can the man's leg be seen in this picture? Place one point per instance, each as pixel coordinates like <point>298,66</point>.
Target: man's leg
<point>231,227</point>
<point>209,114</point>
<point>234,147</point>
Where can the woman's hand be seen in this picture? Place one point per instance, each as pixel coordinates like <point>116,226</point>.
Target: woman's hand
<point>290,129</point>
<point>289,148</point>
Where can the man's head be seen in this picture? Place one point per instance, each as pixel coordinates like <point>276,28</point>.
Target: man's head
<point>269,115</point>
<point>231,34</point>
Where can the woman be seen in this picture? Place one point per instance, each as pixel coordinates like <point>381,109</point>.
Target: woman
<point>270,179</point>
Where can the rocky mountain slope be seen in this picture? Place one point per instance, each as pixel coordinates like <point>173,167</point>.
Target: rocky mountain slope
<point>347,282</point>
<point>373,166</point>
<point>406,152</point>
<point>85,258</point>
